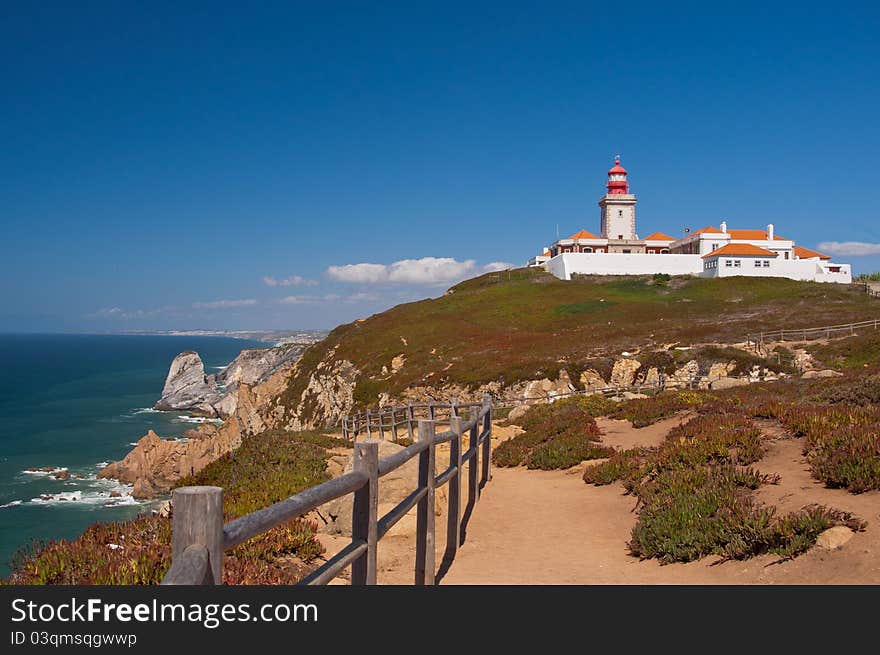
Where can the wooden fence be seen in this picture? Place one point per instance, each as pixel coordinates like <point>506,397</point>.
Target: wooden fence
<point>199,537</point>
<point>758,340</point>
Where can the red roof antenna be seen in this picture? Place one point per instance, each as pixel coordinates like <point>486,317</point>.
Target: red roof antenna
<point>617,183</point>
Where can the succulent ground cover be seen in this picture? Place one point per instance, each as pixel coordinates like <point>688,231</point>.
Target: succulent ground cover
<point>266,468</point>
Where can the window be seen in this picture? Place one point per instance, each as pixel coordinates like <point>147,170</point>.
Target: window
<point>766,263</point>
<point>728,263</point>
<point>737,263</point>
<point>786,254</point>
<point>758,263</point>
<point>587,249</point>
<point>664,251</point>
<point>626,250</point>
<point>620,213</point>
<point>620,236</point>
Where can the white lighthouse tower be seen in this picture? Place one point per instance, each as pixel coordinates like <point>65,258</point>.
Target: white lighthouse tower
<point>618,220</point>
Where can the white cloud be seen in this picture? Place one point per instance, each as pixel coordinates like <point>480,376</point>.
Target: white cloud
<point>494,267</point>
<point>125,314</point>
<point>427,270</point>
<point>225,304</point>
<point>359,273</point>
<point>308,300</point>
<point>850,248</point>
<point>292,281</point>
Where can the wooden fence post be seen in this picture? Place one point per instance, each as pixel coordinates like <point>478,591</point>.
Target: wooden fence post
<point>364,514</point>
<point>453,527</point>
<point>473,466</point>
<point>425,519</point>
<point>487,444</point>
<point>394,424</point>
<point>409,421</point>
<point>431,409</point>
<point>198,519</point>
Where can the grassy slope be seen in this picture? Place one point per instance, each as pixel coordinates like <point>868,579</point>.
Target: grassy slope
<point>527,324</point>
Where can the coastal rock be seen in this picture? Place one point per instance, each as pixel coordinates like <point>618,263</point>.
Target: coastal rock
<point>591,380</point>
<point>517,412</point>
<point>255,365</point>
<point>720,370</point>
<point>545,390</point>
<point>397,363</point>
<point>624,372</point>
<point>188,388</point>
<point>684,375</point>
<point>728,383</point>
<point>652,377</point>
<point>328,396</point>
<point>834,538</point>
<point>825,373</point>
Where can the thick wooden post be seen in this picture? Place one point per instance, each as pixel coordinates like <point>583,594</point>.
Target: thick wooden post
<point>453,523</point>
<point>369,426</point>
<point>394,424</point>
<point>425,519</point>
<point>198,520</point>
<point>364,514</point>
<point>473,466</point>
<point>487,444</point>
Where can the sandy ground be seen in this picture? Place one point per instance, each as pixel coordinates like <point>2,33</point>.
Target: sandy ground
<point>549,527</point>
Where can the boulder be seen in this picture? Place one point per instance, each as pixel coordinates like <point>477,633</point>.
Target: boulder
<point>834,538</point>
<point>652,377</point>
<point>624,372</point>
<point>684,375</point>
<point>397,363</point>
<point>187,387</point>
<point>517,412</point>
<point>720,370</point>
<point>728,383</point>
<point>548,390</point>
<point>628,395</point>
<point>592,381</point>
<point>825,373</point>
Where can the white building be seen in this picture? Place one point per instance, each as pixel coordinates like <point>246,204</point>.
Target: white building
<point>709,252</point>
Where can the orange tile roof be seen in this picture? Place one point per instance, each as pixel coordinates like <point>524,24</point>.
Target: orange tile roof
<point>546,253</point>
<point>806,253</point>
<point>707,230</point>
<point>583,234</point>
<point>746,249</point>
<point>754,235</point>
<point>659,236</point>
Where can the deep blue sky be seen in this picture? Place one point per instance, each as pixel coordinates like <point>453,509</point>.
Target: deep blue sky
<point>158,162</point>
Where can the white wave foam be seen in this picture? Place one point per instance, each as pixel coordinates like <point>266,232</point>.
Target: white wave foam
<point>42,474</point>
<point>12,504</point>
<point>196,419</point>
<point>146,410</point>
<point>101,465</point>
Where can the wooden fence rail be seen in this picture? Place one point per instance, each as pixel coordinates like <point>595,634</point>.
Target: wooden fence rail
<point>809,334</point>
<point>199,537</point>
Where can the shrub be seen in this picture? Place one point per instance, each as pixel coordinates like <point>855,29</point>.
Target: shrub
<point>557,435</point>
<point>642,412</point>
<point>622,465</point>
<point>266,468</point>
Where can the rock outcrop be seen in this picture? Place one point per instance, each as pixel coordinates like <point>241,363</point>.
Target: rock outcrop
<point>154,465</point>
<point>591,380</point>
<point>187,388</point>
<point>546,389</point>
<point>624,372</point>
<point>327,397</point>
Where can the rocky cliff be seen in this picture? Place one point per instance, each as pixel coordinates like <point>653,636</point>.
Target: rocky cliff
<point>156,464</point>
<point>188,388</point>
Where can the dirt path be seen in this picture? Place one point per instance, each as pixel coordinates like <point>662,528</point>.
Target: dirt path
<point>548,527</point>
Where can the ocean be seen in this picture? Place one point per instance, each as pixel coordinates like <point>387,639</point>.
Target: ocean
<point>75,403</point>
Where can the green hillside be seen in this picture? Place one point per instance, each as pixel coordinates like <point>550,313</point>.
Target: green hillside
<point>526,324</point>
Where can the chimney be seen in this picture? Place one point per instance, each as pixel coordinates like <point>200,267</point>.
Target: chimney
<point>724,227</point>
<point>770,232</point>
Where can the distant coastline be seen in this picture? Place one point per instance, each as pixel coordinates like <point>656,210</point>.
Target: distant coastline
<point>277,337</point>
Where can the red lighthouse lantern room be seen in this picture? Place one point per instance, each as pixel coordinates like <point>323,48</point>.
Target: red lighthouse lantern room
<point>617,183</point>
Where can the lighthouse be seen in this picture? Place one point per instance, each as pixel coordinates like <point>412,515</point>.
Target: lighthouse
<point>618,220</point>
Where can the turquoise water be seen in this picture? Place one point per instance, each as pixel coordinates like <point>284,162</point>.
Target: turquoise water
<point>77,402</point>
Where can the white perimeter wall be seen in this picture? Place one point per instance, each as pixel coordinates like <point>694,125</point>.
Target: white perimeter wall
<point>585,263</point>
<point>795,269</point>
<point>615,263</point>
